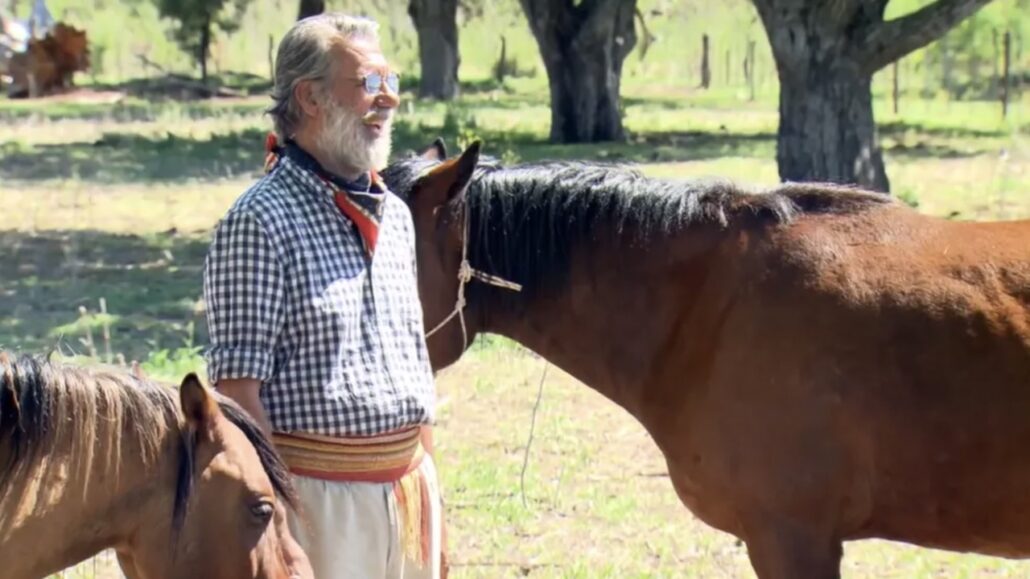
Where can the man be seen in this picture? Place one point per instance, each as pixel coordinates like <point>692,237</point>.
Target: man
<point>314,317</point>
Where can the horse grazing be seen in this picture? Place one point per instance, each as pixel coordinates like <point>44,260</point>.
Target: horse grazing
<point>182,488</point>
<point>816,363</point>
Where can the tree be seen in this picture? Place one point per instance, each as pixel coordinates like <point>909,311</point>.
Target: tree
<point>826,52</point>
<point>436,22</point>
<point>198,20</point>
<point>583,44</point>
<point>310,8</point>
<point>706,69</point>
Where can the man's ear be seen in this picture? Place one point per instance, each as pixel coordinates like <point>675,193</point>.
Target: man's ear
<point>306,95</point>
<point>449,179</point>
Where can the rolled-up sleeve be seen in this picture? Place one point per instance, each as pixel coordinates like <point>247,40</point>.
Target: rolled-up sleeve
<point>244,298</point>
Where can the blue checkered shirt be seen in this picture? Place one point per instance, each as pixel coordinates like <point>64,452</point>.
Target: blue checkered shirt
<point>293,300</point>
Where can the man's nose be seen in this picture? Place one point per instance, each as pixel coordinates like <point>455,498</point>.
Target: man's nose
<point>387,99</point>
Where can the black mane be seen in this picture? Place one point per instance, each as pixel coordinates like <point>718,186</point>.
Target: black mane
<point>526,220</point>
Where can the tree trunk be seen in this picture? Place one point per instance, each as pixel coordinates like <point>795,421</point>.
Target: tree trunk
<point>205,46</point>
<point>895,86</point>
<point>501,67</point>
<point>827,132</point>
<point>706,71</point>
<point>583,48</point>
<point>826,54</point>
<point>946,67</point>
<point>1005,75</point>
<point>310,8</point>
<point>974,63</point>
<point>271,57</point>
<point>437,27</point>
<point>994,61</point>
<point>749,69</point>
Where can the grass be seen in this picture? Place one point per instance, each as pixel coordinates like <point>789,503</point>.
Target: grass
<point>117,202</point>
<point>150,285</point>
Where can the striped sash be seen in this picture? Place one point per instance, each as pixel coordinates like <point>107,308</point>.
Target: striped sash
<point>393,457</point>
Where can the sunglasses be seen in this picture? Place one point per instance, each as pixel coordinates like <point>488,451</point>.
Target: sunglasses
<point>373,82</point>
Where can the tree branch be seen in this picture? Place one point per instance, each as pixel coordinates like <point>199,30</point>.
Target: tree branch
<point>648,37</point>
<point>893,39</point>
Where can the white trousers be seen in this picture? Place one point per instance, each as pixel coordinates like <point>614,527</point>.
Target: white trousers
<point>352,530</point>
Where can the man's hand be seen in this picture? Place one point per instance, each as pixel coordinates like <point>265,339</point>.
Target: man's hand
<point>445,565</point>
<point>426,435</point>
<point>245,391</point>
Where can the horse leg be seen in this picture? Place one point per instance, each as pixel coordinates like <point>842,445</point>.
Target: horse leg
<point>788,550</point>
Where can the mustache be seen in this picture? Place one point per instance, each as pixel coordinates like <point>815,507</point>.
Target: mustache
<point>377,115</point>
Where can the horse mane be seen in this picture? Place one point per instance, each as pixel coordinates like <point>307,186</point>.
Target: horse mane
<point>526,220</point>
<point>43,403</point>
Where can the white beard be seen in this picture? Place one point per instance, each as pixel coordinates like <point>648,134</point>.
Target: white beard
<point>345,140</point>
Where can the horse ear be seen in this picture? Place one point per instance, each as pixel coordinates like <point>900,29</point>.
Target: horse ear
<point>435,152</point>
<point>449,179</point>
<point>198,404</point>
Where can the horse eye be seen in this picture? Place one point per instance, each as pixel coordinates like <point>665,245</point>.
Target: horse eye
<point>263,511</point>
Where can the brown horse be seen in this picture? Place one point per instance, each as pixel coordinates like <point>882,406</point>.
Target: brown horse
<point>49,64</point>
<point>816,363</point>
<point>181,487</point>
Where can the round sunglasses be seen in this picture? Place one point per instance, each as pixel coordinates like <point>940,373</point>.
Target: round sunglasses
<point>373,82</point>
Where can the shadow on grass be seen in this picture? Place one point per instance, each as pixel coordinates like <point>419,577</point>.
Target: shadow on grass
<point>899,139</point>
<point>647,147</point>
<point>916,141</point>
<point>126,111</point>
<point>151,285</point>
<point>127,157</point>
<point>896,128</point>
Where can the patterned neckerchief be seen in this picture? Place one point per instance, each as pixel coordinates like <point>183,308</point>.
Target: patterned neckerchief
<point>360,200</point>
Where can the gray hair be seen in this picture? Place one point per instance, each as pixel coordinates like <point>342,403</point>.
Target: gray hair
<point>304,54</point>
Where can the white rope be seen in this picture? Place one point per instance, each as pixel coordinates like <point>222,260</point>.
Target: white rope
<point>466,274</point>
<point>532,429</point>
<point>459,306</point>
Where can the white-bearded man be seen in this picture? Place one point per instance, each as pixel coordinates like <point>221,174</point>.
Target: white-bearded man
<point>314,314</point>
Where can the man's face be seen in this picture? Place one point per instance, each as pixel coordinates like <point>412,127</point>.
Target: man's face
<point>355,124</point>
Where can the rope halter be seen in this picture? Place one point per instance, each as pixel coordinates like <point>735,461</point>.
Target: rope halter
<point>466,273</point>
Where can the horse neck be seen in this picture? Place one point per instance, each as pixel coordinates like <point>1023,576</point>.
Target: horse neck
<point>622,307</point>
<point>86,496</point>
